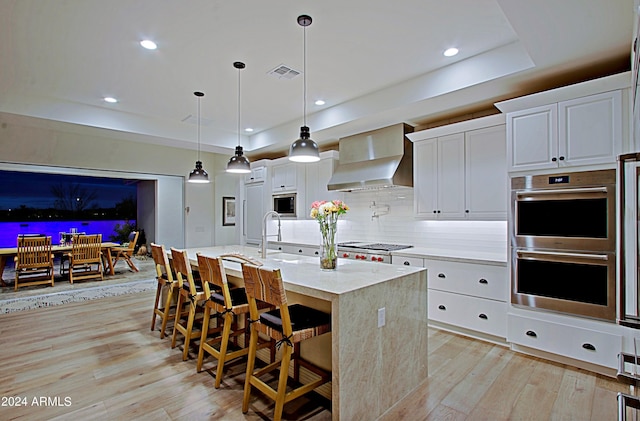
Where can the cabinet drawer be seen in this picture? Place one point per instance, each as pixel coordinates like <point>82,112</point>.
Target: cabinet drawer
<point>407,261</point>
<point>569,341</point>
<point>486,281</point>
<point>297,249</point>
<point>473,313</point>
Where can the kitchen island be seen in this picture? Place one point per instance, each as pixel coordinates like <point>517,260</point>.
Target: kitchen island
<point>377,349</point>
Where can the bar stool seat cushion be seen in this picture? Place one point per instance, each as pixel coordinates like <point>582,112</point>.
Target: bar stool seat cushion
<point>305,321</point>
<point>238,297</point>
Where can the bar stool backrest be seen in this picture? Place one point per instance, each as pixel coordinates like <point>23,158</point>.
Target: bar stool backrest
<point>182,268</point>
<point>160,258</point>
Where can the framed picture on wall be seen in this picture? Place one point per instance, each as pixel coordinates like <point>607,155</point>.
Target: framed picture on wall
<point>228,211</point>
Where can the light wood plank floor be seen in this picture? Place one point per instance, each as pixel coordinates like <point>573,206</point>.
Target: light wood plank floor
<point>101,359</point>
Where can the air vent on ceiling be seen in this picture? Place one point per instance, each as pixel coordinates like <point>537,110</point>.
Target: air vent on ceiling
<point>283,71</point>
<point>192,119</point>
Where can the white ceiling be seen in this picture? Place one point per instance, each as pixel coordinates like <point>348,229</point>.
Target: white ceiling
<point>374,62</point>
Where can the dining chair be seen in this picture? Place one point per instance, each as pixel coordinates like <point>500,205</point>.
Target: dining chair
<point>166,283</point>
<point>225,303</point>
<point>191,294</point>
<point>126,253</point>
<point>33,261</point>
<point>288,325</point>
<point>85,258</point>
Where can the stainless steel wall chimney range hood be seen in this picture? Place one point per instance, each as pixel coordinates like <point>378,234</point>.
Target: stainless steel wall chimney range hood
<point>373,160</point>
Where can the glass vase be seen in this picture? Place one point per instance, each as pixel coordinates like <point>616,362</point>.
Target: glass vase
<point>328,250</point>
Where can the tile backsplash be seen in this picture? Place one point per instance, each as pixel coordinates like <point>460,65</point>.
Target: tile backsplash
<point>387,216</point>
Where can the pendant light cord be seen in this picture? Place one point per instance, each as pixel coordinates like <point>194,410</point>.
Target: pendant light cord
<point>239,107</point>
<point>198,128</point>
<point>304,75</point>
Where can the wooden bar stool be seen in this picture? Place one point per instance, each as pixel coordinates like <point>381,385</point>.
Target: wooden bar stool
<point>190,294</point>
<point>227,304</point>
<point>166,281</point>
<point>288,325</point>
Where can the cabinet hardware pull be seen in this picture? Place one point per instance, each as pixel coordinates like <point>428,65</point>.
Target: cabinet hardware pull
<point>279,248</point>
<point>531,333</point>
<point>316,253</point>
<point>466,211</point>
<point>300,251</point>
<point>441,275</point>
<point>562,158</point>
<point>589,347</point>
<point>483,281</point>
<point>441,307</point>
<point>483,316</point>
<point>438,211</point>
<point>435,211</point>
<point>554,159</point>
<point>406,263</point>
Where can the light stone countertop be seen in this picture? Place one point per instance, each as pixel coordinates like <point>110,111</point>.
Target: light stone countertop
<point>302,274</point>
<point>464,256</point>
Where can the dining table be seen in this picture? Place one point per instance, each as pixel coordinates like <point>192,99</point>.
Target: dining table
<point>377,348</point>
<point>10,252</point>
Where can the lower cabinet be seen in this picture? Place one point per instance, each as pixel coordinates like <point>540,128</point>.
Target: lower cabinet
<point>580,343</point>
<point>478,314</point>
<point>471,296</point>
<point>304,250</point>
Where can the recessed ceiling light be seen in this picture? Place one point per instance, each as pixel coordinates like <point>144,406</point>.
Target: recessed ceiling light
<point>319,102</point>
<point>110,100</point>
<point>248,129</point>
<point>450,52</point>
<point>148,44</point>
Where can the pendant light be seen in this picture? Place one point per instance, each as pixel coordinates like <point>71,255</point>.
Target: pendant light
<point>198,175</point>
<point>304,149</point>
<point>238,163</point>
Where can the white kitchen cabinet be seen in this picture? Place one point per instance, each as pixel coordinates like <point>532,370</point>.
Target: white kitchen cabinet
<point>476,314</point>
<point>461,175</point>
<point>468,295</point>
<point>284,177</point>
<point>254,210</point>
<point>407,261</point>
<point>257,175</point>
<point>577,132</point>
<point>478,280</point>
<point>486,182</point>
<point>439,177</point>
<point>301,249</point>
<point>564,339</point>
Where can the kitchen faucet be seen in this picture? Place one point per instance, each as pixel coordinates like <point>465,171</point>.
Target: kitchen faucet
<point>263,246</point>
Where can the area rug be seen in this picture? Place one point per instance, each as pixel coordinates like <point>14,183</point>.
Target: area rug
<point>75,295</point>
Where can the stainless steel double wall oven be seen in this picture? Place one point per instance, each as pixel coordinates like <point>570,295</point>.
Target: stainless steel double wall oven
<point>563,243</point>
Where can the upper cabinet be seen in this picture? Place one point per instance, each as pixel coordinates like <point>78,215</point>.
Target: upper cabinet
<point>257,175</point>
<point>284,177</point>
<point>581,131</point>
<point>460,171</point>
<point>486,173</point>
<point>439,177</point>
<point>575,126</point>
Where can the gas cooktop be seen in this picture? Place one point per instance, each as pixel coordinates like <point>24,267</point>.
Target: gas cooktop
<point>373,246</point>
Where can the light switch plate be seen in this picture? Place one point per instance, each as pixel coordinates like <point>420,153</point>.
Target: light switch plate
<point>381,317</point>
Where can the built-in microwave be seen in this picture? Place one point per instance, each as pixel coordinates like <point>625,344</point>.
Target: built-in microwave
<point>285,204</point>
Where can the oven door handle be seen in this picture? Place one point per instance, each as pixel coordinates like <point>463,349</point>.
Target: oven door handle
<point>561,191</point>
<point>562,254</point>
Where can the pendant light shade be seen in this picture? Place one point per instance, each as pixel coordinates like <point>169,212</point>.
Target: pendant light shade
<point>238,163</point>
<point>198,175</point>
<point>304,149</point>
